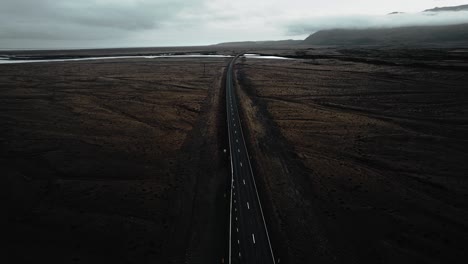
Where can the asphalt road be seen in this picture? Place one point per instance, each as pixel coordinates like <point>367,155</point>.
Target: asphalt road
<point>249,241</point>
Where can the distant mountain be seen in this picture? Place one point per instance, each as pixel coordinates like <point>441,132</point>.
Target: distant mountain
<point>274,43</point>
<point>448,8</point>
<point>411,35</point>
<point>395,13</point>
<point>390,36</point>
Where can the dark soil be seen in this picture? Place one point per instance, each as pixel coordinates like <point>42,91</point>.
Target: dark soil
<point>360,155</point>
<point>113,161</point>
<point>360,162</point>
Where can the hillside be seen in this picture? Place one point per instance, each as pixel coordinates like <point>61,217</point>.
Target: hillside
<point>409,35</point>
<point>448,8</point>
<point>389,36</point>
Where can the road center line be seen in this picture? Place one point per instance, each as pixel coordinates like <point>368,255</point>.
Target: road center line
<point>253,236</point>
<point>248,207</point>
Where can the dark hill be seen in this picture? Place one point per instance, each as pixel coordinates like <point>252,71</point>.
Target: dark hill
<point>413,35</point>
<point>448,8</point>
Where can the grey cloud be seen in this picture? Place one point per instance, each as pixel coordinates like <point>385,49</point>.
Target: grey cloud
<point>114,23</point>
<point>85,19</point>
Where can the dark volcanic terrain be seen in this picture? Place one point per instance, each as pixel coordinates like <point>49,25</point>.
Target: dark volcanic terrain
<point>361,162</point>
<point>359,155</point>
<point>102,161</point>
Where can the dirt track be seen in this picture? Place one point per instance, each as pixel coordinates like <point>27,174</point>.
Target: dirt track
<point>360,163</point>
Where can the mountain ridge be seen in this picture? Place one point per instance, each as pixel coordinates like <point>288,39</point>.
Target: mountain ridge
<point>401,35</point>
<point>448,8</point>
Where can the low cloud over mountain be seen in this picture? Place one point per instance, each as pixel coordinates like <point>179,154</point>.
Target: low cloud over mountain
<point>432,17</point>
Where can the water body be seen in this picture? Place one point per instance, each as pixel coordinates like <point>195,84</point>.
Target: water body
<point>258,56</point>
<point>7,60</point>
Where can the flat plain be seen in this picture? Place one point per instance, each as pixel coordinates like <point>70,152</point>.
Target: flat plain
<point>359,154</point>
<point>101,159</point>
<point>361,158</point>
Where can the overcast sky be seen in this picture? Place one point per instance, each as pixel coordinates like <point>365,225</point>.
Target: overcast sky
<point>136,23</point>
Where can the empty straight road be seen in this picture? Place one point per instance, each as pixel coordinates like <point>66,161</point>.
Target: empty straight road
<point>248,235</point>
